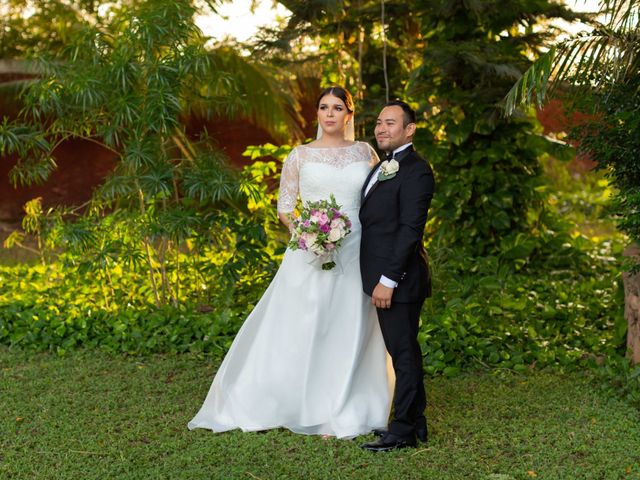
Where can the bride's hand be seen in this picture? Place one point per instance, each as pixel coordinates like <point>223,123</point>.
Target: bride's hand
<point>288,220</point>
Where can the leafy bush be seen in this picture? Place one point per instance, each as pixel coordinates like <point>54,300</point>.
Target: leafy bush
<point>128,81</point>
<point>621,378</point>
<point>93,287</point>
<point>547,298</point>
<point>492,315</point>
<point>562,309</point>
<point>56,307</point>
<point>562,306</point>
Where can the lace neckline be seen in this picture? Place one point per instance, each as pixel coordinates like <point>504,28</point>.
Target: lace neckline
<point>329,148</point>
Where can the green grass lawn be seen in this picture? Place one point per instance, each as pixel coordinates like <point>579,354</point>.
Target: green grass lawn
<point>94,416</point>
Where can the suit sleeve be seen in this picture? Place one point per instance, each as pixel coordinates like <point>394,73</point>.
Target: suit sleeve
<point>413,204</point>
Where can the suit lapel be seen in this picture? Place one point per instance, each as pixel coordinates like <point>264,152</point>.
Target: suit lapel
<point>366,182</point>
<point>368,195</point>
<point>398,157</point>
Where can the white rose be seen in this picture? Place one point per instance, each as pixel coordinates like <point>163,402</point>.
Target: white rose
<point>389,167</point>
<point>310,240</point>
<point>335,234</point>
<point>317,249</point>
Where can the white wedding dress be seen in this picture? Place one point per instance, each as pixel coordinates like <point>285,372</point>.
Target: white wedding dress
<point>310,357</point>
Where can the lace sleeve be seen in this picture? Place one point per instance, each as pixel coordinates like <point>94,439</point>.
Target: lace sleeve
<point>372,156</point>
<point>288,193</point>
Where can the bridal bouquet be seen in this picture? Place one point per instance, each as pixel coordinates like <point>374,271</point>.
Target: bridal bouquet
<point>320,229</point>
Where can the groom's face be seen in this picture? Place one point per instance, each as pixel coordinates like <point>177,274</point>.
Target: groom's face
<point>391,131</point>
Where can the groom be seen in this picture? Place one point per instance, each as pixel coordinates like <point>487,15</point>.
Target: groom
<point>395,272</point>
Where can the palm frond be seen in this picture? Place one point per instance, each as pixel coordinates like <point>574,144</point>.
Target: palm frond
<point>261,99</point>
<point>588,60</point>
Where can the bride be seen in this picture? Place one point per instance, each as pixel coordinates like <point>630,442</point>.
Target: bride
<point>310,357</point>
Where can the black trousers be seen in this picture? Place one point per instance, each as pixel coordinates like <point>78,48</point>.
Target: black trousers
<point>399,325</point>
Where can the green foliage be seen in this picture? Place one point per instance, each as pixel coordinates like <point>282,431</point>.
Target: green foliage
<point>611,137</point>
<point>111,55</point>
<point>500,195</point>
<point>126,80</point>
<point>582,197</point>
<point>62,307</point>
<point>454,61</point>
<point>589,60</point>
<point>619,377</point>
<point>29,28</point>
<point>515,279</point>
<point>94,287</point>
<point>560,306</point>
<point>601,70</point>
<point>176,246</point>
<point>349,49</point>
<point>489,173</point>
<point>264,170</point>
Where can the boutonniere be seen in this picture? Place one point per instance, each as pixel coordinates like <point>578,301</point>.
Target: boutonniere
<point>388,170</point>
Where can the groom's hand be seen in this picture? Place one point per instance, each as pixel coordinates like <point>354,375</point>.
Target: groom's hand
<point>381,296</point>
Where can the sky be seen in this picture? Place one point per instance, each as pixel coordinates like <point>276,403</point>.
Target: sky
<point>236,20</point>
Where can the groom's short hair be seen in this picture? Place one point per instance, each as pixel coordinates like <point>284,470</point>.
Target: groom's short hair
<point>409,113</point>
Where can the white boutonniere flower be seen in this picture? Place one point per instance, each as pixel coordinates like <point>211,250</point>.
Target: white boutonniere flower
<point>388,170</point>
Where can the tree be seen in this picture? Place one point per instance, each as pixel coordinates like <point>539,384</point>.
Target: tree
<point>489,200</point>
<point>588,62</point>
<point>125,80</point>
<point>454,61</point>
<point>597,72</point>
<point>247,89</point>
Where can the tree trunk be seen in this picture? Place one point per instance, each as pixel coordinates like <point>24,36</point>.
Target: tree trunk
<point>632,307</point>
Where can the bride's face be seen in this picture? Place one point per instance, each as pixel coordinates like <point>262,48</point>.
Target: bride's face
<point>332,115</point>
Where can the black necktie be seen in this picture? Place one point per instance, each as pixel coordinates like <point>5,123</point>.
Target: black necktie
<point>388,156</point>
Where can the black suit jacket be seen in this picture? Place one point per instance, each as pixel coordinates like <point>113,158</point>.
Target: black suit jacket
<point>393,215</point>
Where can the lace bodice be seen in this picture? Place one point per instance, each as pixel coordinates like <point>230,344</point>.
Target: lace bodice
<point>316,173</point>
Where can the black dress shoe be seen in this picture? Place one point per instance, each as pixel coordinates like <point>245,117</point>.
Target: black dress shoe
<point>421,433</point>
<point>389,442</point>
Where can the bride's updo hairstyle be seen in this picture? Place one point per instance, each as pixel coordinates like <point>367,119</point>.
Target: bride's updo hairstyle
<point>340,93</point>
